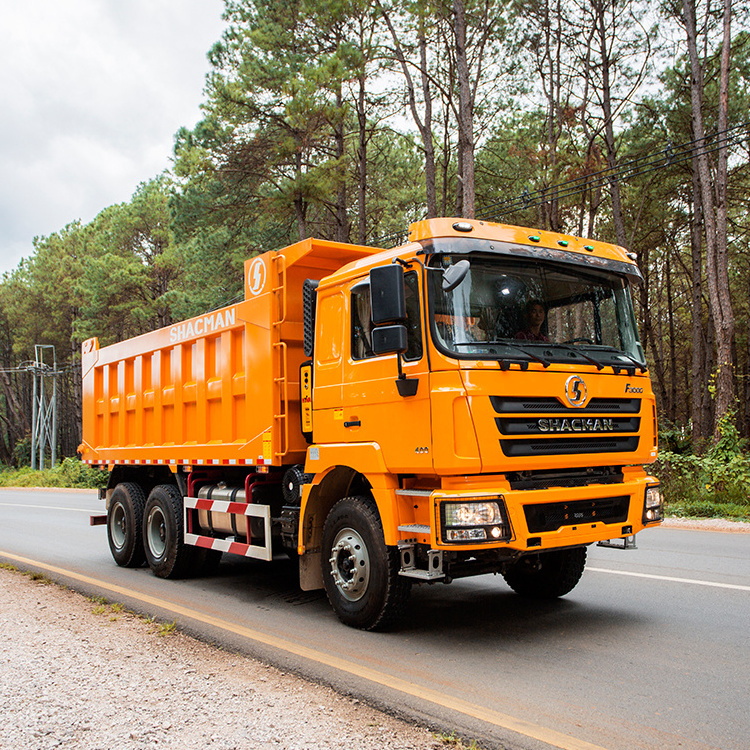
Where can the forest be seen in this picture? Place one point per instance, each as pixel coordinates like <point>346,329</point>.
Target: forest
<point>621,120</point>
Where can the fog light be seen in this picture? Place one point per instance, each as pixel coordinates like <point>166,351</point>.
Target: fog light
<point>472,520</point>
<point>465,535</point>
<point>653,508</point>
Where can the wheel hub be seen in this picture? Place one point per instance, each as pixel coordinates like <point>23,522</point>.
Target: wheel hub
<point>156,532</point>
<point>350,564</point>
<point>118,526</point>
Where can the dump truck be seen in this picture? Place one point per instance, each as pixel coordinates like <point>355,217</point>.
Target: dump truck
<point>473,401</point>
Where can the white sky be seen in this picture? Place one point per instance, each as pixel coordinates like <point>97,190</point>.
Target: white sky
<point>91,95</point>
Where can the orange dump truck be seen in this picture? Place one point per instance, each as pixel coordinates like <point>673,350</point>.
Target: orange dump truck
<point>474,401</point>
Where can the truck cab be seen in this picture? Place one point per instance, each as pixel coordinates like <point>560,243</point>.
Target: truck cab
<point>484,390</point>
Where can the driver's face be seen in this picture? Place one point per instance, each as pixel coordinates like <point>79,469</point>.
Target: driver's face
<point>536,315</point>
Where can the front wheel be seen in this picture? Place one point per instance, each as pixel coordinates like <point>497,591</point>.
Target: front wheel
<point>547,575</point>
<point>359,571</point>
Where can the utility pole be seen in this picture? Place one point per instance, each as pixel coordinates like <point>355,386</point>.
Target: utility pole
<point>44,418</point>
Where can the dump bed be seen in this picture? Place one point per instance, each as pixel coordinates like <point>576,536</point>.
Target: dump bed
<point>218,389</point>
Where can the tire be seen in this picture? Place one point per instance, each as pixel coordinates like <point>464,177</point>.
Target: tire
<point>547,575</point>
<point>166,552</point>
<point>360,572</point>
<point>124,525</point>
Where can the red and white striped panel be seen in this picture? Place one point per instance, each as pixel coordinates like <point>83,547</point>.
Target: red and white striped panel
<point>259,552</point>
<point>174,461</point>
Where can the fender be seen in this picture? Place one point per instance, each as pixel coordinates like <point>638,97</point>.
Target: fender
<point>341,469</point>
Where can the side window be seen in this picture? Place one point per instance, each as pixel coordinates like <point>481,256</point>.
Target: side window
<point>413,318</point>
<point>362,324</point>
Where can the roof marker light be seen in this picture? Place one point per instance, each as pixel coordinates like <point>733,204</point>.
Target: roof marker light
<point>534,237</point>
<point>463,226</point>
<point>562,243</point>
<point>590,248</point>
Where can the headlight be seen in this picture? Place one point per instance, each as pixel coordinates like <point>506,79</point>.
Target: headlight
<point>472,521</point>
<point>653,508</point>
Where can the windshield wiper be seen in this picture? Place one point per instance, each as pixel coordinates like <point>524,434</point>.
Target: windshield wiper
<point>505,362</point>
<point>616,368</point>
<point>543,362</point>
<point>598,363</point>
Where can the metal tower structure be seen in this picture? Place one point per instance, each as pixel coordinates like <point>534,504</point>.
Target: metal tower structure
<point>44,418</point>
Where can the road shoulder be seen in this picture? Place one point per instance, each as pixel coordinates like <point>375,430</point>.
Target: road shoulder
<point>87,674</point>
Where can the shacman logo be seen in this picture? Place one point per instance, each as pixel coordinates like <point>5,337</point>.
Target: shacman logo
<point>575,390</point>
<point>603,424</point>
<point>256,276</point>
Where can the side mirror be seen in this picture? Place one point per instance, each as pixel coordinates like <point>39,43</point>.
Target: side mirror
<point>387,297</point>
<point>455,274</point>
<point>389,339</point>
<point>388,312</point>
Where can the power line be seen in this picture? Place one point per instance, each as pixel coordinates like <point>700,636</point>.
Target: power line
<point>666,157</point>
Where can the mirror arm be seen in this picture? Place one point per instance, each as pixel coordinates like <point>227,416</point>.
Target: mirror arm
<point>406,386</point>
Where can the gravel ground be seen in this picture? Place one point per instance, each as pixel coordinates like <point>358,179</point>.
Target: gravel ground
<point>82,675</point>
<point>707,524</point>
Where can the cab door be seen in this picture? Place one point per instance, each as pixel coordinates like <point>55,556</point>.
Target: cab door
<point>373,410</point>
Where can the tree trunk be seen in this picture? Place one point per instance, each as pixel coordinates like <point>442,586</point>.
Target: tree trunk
<point>714,212</point>
<point>698,380</point>
<point>427,142</point>
<point>672,409</point>
<point>362,163</point>
<point>465,113</point>
<point>609,133</point>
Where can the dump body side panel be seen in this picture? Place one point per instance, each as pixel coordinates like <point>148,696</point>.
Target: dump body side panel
<point>218,389</point>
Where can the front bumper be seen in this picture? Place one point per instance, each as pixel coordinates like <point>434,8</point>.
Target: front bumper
<point>542,519</point>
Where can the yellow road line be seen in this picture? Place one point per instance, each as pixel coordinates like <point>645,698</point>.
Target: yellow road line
<point>504,721</point>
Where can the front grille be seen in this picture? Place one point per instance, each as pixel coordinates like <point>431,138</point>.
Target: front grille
<point>543,426</point>
<point>568,446</point>
<point>551,516</point>
<point>541,480</point>
<point>512,405</point>
<point>525,426</point>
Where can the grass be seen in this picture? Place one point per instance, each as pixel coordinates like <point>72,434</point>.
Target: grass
<point>166,628</point>
<point>706,508</point>
<point>70,473</point>
<point>38,577</point>
<point>453,740</point>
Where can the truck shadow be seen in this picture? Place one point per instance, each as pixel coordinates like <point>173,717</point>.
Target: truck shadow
<point>487,606</point>
<point>478,608</point>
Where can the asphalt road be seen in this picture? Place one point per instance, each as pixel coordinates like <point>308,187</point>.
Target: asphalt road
<point>651,650</point>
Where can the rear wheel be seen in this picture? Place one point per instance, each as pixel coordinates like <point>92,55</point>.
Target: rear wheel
<point>547,575</point>
<point>166,552</point>
<point>359,571</point>
<point>124,524</point>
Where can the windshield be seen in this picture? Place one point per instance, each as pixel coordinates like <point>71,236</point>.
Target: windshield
<point>525,309</point>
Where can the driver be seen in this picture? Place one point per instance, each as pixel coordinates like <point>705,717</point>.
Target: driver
<point>535,316</point>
